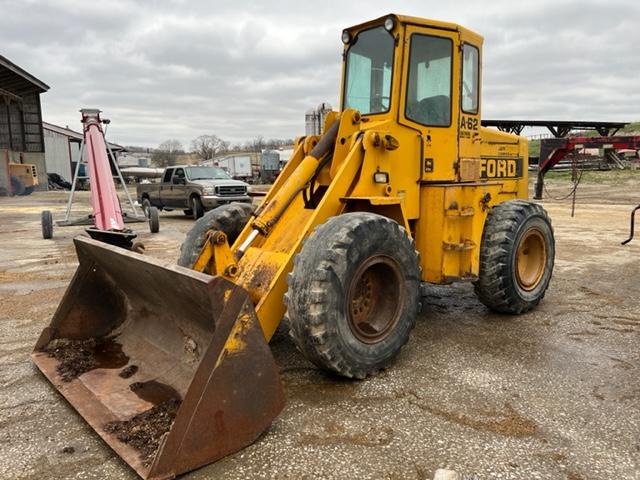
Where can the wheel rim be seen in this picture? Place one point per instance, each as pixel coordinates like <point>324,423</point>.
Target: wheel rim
<point>374,299</point>
<point>531,259</point>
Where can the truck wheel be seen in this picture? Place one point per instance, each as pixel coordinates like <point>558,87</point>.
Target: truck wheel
<point>17,185</point>
<point>353,294</point>
<point>154,220</point>
<point>146,206</point>
<point>47,224</point>
<point>230,219</point>
<point>516,257</point>
<point>197,210</point>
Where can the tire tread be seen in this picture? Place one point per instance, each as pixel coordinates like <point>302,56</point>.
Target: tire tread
<point>310,285</point>
<point>494,287</point>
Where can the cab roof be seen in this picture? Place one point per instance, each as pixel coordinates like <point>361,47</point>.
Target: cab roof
<point>423,22</point>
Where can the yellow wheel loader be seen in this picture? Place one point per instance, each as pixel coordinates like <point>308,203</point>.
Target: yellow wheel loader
<point>171,364</point>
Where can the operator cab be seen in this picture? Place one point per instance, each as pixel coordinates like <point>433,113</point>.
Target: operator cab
<point>423,75</point>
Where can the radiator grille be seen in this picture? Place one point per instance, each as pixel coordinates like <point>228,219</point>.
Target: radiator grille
<point>231,190</point>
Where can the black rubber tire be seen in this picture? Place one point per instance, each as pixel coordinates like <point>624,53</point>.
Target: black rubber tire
<point>47,224</point>
<point>17,185</point>
<point>154,220</point>
<point>497,286</point>
<point>146,206</point>
<point>317,298</point>
<point>230,219</point>
<point>27,191</point>
<point>188,212</point>
<point>197,209</point>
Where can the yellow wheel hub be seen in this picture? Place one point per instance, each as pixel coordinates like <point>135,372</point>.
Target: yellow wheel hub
<point>531,259</point>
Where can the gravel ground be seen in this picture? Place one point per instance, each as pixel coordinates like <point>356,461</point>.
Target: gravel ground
<point>553,394</point>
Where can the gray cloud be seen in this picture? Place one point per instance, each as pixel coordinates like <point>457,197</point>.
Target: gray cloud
<point>178,69</point>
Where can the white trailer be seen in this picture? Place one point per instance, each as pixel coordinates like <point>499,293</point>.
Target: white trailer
<point>238,166</point>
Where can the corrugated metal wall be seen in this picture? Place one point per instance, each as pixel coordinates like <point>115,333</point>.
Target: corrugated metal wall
<point>56,149</point>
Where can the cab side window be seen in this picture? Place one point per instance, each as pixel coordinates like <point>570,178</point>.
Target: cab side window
<point>470,78</point>
<point>179,173</point>
<point>167,175</point>
<point>429,81</point>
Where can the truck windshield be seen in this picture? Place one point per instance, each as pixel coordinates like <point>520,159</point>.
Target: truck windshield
<point>206,173</point>
<point>367,83</point>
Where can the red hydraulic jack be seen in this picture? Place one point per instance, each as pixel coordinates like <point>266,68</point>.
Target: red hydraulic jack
<point>107,220</point>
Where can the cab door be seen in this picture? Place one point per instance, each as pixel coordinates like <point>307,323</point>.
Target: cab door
<point>469,126</point>
<point>179,188</point>
<point>164,190</point>
<point>430,100</point>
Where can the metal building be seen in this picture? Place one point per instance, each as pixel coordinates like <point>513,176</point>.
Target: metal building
<point>21,136</point>
<point>62,149</point>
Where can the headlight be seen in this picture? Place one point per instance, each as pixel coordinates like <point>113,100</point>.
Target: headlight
<point>209,190</point>
<point>346,37</point>
<point>389,23</point>
<point>381,177</point>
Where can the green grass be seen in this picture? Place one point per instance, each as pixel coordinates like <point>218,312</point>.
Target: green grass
<point>606,176</point>
<point>633,127</point>
<point>534,148</point>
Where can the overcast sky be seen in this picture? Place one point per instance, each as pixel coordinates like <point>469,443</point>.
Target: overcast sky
<point>179,69</point>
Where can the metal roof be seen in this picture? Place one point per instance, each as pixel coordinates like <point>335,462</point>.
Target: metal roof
<point>423,22</point>
<point>16,81</point>
<point>559,128</point>
<point>75,136</point>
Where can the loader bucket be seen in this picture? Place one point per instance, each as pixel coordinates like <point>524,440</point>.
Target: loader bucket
<point>169,366</point>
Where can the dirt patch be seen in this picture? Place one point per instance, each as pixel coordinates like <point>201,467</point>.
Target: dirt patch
<point>10,276</point>
<point>37,304</point>
<point>145,430</point>
<point>571,475</point>
<point>75,356</point>
<point>80,356</point>
<point>509,422</point>
<point>333,433</point>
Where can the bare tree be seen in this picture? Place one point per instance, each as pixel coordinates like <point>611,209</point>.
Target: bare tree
<point>207,146</point>
<point>167,153</point>
<point>275,143</point>
<point>257,144</point>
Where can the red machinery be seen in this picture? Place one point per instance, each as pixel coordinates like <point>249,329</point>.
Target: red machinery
<point>553,150</point>
<point>107,220</point>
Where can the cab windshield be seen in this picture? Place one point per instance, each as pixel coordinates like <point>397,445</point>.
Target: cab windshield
<point>367,85</point>
<point>206,173</point>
